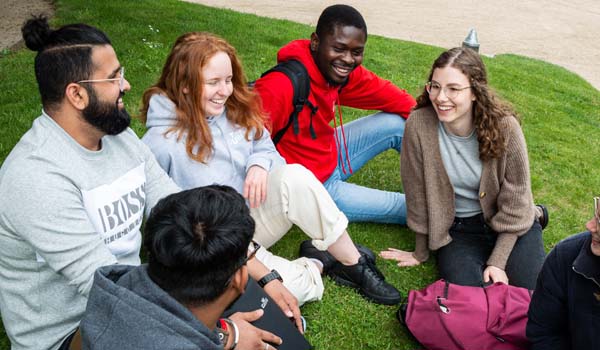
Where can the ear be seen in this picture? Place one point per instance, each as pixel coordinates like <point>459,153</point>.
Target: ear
<point>186,91</point>
<point>240,279</point>
<point>77,96</point>
<point>314,42</point>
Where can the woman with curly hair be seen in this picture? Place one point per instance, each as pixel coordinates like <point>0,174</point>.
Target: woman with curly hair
<point>206,126</point>
<point>465,171</point>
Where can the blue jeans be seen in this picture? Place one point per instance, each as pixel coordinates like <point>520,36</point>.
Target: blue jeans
<point>463,260</point>
<point>366,138</point>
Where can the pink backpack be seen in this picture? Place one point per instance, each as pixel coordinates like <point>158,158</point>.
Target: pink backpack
<point>448,316</point>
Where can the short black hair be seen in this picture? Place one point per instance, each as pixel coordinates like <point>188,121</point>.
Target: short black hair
<point>63,55</point>
<point>340,15</point>
<point>196,240</point>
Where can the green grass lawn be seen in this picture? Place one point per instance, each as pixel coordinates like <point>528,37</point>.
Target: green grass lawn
<point>560,117</point>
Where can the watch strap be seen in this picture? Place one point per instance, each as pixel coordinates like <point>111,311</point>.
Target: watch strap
<point>271,276</point>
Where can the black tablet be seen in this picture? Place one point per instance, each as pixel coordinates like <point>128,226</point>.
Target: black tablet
<point>273,319</point>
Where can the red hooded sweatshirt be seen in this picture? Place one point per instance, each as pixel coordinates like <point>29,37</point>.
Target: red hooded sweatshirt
<point>364,90</point>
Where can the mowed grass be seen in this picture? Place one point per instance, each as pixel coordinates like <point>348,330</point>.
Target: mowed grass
<point>560,117</point>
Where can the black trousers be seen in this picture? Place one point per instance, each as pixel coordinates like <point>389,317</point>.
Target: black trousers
<point>463,260</point>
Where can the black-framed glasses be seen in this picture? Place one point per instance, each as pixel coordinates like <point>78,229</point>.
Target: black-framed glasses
<point>597,209</point>
<point>252,249</point>
<point>120,79</point>
<point>434,89</point>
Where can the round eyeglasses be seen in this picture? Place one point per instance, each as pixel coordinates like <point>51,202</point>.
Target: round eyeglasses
<point>434,89</point>
<point>120,79</point>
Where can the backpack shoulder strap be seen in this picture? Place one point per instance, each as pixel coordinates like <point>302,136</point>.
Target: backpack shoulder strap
<point>298,75</point>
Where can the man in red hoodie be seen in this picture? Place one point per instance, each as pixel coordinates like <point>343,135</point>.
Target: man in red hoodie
<point>333,58</point>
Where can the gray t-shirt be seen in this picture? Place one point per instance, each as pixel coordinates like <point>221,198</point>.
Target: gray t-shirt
<point>64,212</point>
<point>463,166</point>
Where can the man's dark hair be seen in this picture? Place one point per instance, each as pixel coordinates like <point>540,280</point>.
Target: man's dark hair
<point>339,15</point>
<point>196,240</point>
<point>63,55</point>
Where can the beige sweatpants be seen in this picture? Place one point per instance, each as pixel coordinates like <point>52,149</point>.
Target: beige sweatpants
<point>295,196</point>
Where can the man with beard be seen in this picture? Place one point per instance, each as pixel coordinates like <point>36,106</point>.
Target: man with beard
<point>74,190</point>
<point>333,58</point>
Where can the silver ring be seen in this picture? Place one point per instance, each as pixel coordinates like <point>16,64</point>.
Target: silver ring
<point>266,346</point>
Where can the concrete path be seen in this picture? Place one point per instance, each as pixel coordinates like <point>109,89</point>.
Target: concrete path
<point>561,32</point>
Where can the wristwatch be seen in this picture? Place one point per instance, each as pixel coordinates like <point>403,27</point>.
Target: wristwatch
<point>271,276</point>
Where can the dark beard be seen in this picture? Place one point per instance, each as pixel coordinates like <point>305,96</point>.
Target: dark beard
<point>106,117</point>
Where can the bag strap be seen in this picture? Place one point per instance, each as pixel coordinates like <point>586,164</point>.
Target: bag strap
<point>298,75</point>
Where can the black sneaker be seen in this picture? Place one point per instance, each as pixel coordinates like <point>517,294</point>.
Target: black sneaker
<point>308,250</point>
<point>401,314</point>
<point>368,280</point>
<point>545,218</point>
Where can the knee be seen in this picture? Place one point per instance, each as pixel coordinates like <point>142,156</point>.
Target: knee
<point>394,125</point>
<point>296,170</point>
<point>297,175</point>
<point>462,272</point>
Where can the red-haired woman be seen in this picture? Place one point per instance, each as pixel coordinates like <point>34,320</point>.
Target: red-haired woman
<point>206,126</point>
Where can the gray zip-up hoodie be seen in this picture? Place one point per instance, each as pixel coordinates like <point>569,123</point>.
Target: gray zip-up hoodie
<point>127,310</point>
<point>232,156</point>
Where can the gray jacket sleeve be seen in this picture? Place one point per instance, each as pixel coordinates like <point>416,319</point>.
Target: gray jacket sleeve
<point>158,183</point>
<point>264,153</point>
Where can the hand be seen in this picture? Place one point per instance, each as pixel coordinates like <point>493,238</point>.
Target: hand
<point>495,274</point>
<point>286,301</point>
<point>403,257</point>
<point>252,338</point>
<point>255,186</point>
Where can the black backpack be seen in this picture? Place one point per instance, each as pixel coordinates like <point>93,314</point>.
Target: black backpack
<point>298,75</point>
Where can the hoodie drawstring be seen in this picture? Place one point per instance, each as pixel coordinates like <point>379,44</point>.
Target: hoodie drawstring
<point>337,140</point>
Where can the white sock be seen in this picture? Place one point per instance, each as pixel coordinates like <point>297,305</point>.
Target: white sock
<point>318,263</point>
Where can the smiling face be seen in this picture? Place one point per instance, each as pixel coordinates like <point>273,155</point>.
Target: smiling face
<point>457,112</point>
<point>217,78</point>
<point>105,109</point>
<point>338,53</point>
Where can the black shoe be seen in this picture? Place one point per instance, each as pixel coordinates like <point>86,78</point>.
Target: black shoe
<point>545,218</point>
<point>307,249</point>
<point>401,314</point>
<point>401,317</point>
<point>368,280</point>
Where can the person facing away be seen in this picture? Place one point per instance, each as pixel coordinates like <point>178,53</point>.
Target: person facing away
<point>333,58</point>
<point>197,242</point>
<point>206,126</point>
<point>465,170</point>
<point>565,307</point>
<point>74,190</point>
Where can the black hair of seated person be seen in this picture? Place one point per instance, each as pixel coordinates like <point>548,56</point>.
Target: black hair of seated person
<point>339,15</point>
<point>196,240</point>
<point>63,55</point>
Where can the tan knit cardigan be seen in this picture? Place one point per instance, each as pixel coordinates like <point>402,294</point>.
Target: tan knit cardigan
<point>504,189</point>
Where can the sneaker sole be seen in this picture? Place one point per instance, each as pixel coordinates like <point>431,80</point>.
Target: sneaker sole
<point>544,219</point>
<point>377,299</point>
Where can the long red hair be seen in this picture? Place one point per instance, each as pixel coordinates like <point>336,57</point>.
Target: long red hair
<point>183,70</point>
